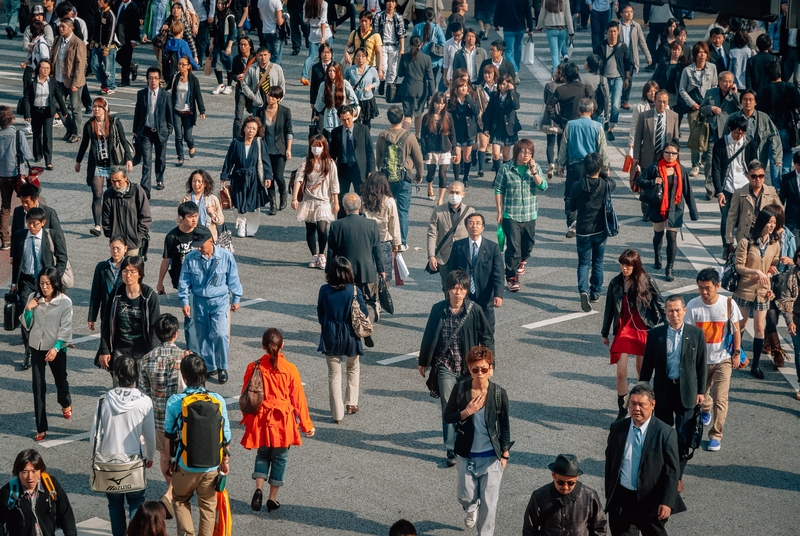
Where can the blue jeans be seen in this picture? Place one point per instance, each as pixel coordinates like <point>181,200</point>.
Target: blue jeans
<point>599,21</point>
<point>275,47</point>
<point>557,39</point>
<point>796,343</point>
<point>116,509</point>
<point>513,42</point>
<point>401,191</point>
<point>105,68</point>
<point>313,54</point>
<point>182,123</point>
<point>590,251</point>
<point>271,464</point>
<point>615,88</point>
<point>447,380</point>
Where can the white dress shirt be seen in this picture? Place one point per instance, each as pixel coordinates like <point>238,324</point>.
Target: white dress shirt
<point>737,174</point>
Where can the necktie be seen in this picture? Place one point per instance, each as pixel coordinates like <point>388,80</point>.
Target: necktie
<point>636,456</point>
<point>472,268</point>
<point>351,150</point>
<point>265,83</point>
<point>35,265</point>
<point>659,134</point>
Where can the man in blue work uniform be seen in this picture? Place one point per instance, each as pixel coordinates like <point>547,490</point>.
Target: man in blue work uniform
<point>210,276</point>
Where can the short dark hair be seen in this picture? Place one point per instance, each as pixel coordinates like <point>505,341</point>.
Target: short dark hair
<point>457,278</point>
<point>763,42</point>
<point>395,115</point>
<point>571,72</point>
<point>323,47</point>
<point>263,49</point>
<point>592,164</point>
<point>643,388</point>
<point>366,14</point>
<point>454,27</point>
<point>716,30</point>
<point>340,272</point>
<point>403,528</point>
<point>612,24</point>
<point>150,70</point>
<point>593,61</point>
<point>193,370</point>
<point>54,278</point>
<point>166,327</point>
<point>63,9</point>
<point>347,109</point>
<point>748,92</point>
<point>737,122</point>
<point>6,117</point>
<point>499,44</point>
<point>126,370</point>
<point>36,214</point>
<point>675,297</point>
<point>774,71</point>
<point>475,215</point>
<point>28,456</point>
<point>276,92</point>
<point>187,208</point>
<point>708,275</point>
<point>137,262</point>
<point>29,190</point>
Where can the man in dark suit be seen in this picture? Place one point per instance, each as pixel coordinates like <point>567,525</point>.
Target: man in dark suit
<point>641,470</point>
<point>29,198</point>
<point>719,50</point>
<point>482,260</point>
<point>152,125</point>
<point>128,37</point>
<point>676,352</point>
<point>358,239</point>
<point>568,96</point>
<point>790,197</point>
<point>757,65</point>
<point>351,148</point>
<point>497,58</point>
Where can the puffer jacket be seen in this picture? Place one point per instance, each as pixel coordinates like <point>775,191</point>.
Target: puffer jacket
<point>652,315</point>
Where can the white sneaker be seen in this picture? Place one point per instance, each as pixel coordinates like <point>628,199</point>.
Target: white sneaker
<point>402,248</point>
<point>472,516</point>
<point>28,128</point>
<point>227,90</point>
<point>218,90</point>
<point>695,171</point>
<point>314,262</point>
<point>241,228</point>
<point>57,122</point>
<point>321,262</point>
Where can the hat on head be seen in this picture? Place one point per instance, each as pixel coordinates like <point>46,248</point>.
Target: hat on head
<point>38,10</point>
<point>200,236</point>
<point>566,465</point>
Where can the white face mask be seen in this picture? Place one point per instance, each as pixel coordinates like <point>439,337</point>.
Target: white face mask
<point>454,199</point>
<point>316,151</point>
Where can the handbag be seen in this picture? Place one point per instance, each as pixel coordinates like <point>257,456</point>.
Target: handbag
<point>224,238</point>
<point>690,435</point>
<point>433,378</point>
<point>67,278</point>
<point>21,107</point>
<point>528,49</point>
<point>626,166</point>
<point>652,196</point>
<point>384,297</point>
<point>699,132</point>
<point>436,51</point>
<point>362,326</point>
<point>120,473</point>
<point>33,174</point>
<point>207,67</point>
<point>251,398</point>
<point>612,224</point>
<point>117,148</point>
<point>313,128</point>
<point>730,277</point>
<point>392,93</point>
<point>10,312</point>
<point>225,200</point>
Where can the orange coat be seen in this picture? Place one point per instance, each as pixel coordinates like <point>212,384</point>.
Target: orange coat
<point>284,405</point>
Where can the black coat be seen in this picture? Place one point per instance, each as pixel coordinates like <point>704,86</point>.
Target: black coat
<point>778,99</point>
<point>358,239</point>
<point>163,114</point>
<point>583,515</point>
<point>52,221</point>
<point>150,313</point>
<point>674,218</point>
<point>434,142</point>
<point>128,23</point>
<point>720,161</point>
<point>500,117</point>
<point>506,67</point>
<point>337,336</point>
<point>496,418</point>
<point>568,96</point>
<point>659,467</point>
<point>476,330</point>
<point>652,315</point>
<point>194,98</point>
<point>317,78</point>
<point>417,76</point>
<point>466,120</point>
<point>89,138</point>
<point>56,100</point>
<point>126,215</point>
<point>362,143</point>
<point>714,58</point>
<point>692,368</point>
<point>487,272</point>
<point>59,251</point>
<point>588,197</point>
<point>283,128</point>
<point>21,520</point>
<point>756,71</point>
<point>790,198</point>
<point>103,286</point>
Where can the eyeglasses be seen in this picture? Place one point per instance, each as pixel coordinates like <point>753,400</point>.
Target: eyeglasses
<point>671,153</point>
<point>759,176</point>
<point>525,151</point>
<point>480,370</point>
<point>568,483</point>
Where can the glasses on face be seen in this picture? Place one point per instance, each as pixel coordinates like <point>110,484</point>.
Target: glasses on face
<point>130,272</point>
<point>567,483</point>
<point>757,176</point>
<point>480,370</point>
<point>116,248</point>
<point>525,151</point>
<point>671,153</point>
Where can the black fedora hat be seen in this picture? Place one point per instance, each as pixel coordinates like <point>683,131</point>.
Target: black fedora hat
<point>566,465</point>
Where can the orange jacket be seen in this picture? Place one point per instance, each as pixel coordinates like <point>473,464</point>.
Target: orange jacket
<point>284,405</point>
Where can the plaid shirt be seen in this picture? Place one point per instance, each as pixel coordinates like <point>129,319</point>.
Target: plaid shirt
<point>399,27</point>
<point>520,202</point>
<point>159,377</point>
<point>452,358</point>
<point>33,497</point>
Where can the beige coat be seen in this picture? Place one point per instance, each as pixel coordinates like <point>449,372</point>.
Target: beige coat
<point>388,221</point>
<point>214,209</point>
<point>439,225</point>
<point>742,213</point>
<point>748,256</point>
<point>74,66</point>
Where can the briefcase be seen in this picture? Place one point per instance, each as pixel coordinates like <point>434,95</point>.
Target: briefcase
<point>11,312</point>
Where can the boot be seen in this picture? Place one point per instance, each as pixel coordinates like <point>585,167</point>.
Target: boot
<point>273,203</point>
<point>623,412</point>
<point>382,87</point>
<point>284,201</point>
<point>658,239</point>
<point>772,344</point>
<point>26,363</point>
<point>668,275</point>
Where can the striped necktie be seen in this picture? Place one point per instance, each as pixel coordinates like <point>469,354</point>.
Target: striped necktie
<point>472,268</point>
<point>659,134</point>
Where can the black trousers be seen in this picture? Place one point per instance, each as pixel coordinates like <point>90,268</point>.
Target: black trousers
<point>656,29</point>
<point>672,412</point>
<point>574,174</point>
<point>124,57</point>
<point>42,125</point>
<point>520,239</point>
<point>278,162</point>
<point>58,367</point>
<point>297,26</point>
<point>25,286</point>
<point>626,517</point>
<point>347,175</point>
<point>488,308</point>
<point>202,40</point>
<point>243,105</point>
<point>147,144</point>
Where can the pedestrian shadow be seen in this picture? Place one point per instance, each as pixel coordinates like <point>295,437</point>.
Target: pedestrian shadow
<point>608,381</point>
<point>749,475</point>
<point>761,404</point>
<point>557,417</point>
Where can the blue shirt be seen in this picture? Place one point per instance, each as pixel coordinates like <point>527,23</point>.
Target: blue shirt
<point>632,457</point>
<point>211,277</point>
<point>599,5</point>
<point>582,138</point>
<point>674,345</point>
<point>174,405</point>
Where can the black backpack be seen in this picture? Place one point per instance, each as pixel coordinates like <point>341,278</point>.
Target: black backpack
<point>169,66</point>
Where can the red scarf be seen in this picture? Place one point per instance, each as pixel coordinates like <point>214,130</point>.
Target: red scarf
<point>662,172</point>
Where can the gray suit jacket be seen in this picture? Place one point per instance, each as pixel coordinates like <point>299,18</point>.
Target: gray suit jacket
<point>766,138</point>
<point>643,141</point>
<point>460,61</point>
<point>417,75</point>
<point>637,41</point>
<point>729,104</point>
<point>440,223</point>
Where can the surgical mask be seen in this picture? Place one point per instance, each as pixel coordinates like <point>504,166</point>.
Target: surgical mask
<point>316,151</point>
<point>454,199</point>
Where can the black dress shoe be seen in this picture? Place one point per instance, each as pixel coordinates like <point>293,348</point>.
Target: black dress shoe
<point>756,372</point>
<point>368,342</point>
<point>272,505</point>
<point>134,71</point>
<point>26,363</point>
<point>160,185</point>
<point>255,502</point>
<point>124,83</point>
<point>594,297</point>
<point>212,373</point>
<point>273,209</point>
<point>67,136</point>
<point>295,52</point>
<point>222,376</point>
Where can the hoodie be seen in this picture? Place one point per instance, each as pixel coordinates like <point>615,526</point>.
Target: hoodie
<point>182,50</point>
<point>126,415</point>
<point>588,198</point>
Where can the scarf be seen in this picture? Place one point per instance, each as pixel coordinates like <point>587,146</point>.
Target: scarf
<point>662,172</point>
<point>203,213</point>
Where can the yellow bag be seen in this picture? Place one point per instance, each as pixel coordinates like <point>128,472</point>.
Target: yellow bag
<point>222,519</point>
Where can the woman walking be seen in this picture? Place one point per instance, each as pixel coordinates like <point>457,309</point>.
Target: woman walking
<point>105,134</point>
<point>38,48</point>
<point>668,75</point>
<point>417,87</point>
<point>633,306</point>
<point>43,101</point>
<point>241,63</point>
<point>757,258</point>
<point>647,103</point>
<point>187,100</point>
<point>697,78</point>
<point>465,114</point>
<point>669,177</point>
<point>337,337</point>
<point>556,19</point>
<point>278,139</point>
<point>200,190</point>
<point>104,283</point>
<point>249,171</point>
<point>484,92</point>
<point>379,205</point>
<point>274,429</point>
<point>740,53</point>
<point>333,93</point>
<point>318,180</point>
<point>364,79</point>
<point>315,15</point>
<point>553,132</point>
<point>500,120</point>
<point>437,140</point>
<point>772,341</point>
<point>432,40</point>
<point>222,38</point>
<point>149,520</point>
<point>48,318</point>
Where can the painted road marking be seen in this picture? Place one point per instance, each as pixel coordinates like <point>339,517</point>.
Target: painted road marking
<point>398,358</point>
<point>557,320</point>
<point>94,527</point>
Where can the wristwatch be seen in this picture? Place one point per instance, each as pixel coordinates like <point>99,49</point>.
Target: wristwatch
<point>737,351</point>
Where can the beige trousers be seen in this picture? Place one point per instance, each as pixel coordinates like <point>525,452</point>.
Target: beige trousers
<point>718,382</point>
<point>335,384</point>
<point>184,485</point>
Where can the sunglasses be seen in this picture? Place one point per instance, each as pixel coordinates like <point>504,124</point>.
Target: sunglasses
<point>759,176</point>
<point>480,370</point>
<point>568,483</point>
<point>671,152</point>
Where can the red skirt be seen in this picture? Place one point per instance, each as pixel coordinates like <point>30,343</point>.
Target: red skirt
<point>631,335</point>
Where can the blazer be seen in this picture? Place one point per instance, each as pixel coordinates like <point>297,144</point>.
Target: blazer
<point>460,61</point>
<point>56,101</point>
<point>652,315</point>
<point>438,141</point>
<point>52,221</point>
<point>103,287</point>
<point>362,143</point>
<point>163,114</point>
<point>476,330</point>
<point>637,41</point>
<point>728,104</point>
<point>789,195</point>
<point>283,128</point>
<point>358,239</point>
<point>441,222</point>
<point>417,75</point>
<point>74,66</point>
<point>720,161</point>
<point>487,272</point>
<point>742,213</point>
<point>644,149</point>
<point>128,23</point>
<point>496,418</point>
<point>568,96</point>
<point>756,71</point>
<point>506,67</point>
<point>500,117</point>
<point>659,467</point>
<point>194,97</point>
<point>55,257</point>
<point>714,58</point>
<point>692,366</point>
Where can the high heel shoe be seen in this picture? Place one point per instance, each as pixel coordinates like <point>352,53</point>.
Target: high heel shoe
<point>255,502</point>
<point>272,505</point>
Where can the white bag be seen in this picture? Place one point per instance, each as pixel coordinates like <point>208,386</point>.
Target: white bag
<point>528,57</point>
<point>402,269</point>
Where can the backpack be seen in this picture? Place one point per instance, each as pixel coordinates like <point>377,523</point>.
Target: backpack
<point>169,67</point>
<point>201,441</point>
<point>392,165</point>
<point>15,489</point>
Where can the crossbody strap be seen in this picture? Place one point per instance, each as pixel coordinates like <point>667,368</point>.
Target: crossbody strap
<point>451,231</point>
<point>454,335</point>
<point>99,426</point>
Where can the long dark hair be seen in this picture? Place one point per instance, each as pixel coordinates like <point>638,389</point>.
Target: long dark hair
<point>415,44</point>
<point>149,520</point>
<point>761,221</point>
<point>444,117</point>
<point>308,167</point>
<point>430,16</point>
<point>340,273</point>
<point>272,341</point>
<point>334,96</point>
<point>313,9</point>
<point>640,287</point>
<point>554,6</point>
<point>374,190</point>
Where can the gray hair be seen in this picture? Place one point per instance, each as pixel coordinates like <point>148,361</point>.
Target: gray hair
<point>118,169</point>
<point>645,389</point>
<point>351,203</point>
<point>586,105</point>
<point>753,165</point>
<point>725,73</point>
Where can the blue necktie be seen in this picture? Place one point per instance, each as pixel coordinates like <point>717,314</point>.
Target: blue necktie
<point>636,456</point>
<point>472,268</point>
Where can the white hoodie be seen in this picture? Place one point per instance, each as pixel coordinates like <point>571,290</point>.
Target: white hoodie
<point>128,424</point>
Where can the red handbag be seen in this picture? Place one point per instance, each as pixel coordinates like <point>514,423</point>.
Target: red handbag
<point>626,166</point>
<point>32,176</point>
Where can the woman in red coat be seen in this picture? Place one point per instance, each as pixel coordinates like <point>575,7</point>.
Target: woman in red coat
<point>275,428</point>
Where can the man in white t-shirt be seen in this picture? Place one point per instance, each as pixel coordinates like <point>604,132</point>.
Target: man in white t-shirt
<point>271,17</point>
<point>710,313</point>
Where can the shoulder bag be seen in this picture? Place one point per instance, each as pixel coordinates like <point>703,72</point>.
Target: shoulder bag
<point>652,196</point>
<point>117,148</point>
<point>727,341</point>
<point>432,383</point>
<point>699,132</point>
<point>121,473</point>
<point>251,398</point>
<point>33,172</point>
<point>612,224</point>
<point>447,236</point>
<point>362,326</point>
<point>730,277</point>
<point>67,278</point>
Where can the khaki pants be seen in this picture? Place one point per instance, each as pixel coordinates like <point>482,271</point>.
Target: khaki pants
<point>184,485</point>
<point>335,384</point>
<point>718,382</point>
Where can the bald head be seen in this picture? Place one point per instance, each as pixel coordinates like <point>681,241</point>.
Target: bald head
<point>351,203</point>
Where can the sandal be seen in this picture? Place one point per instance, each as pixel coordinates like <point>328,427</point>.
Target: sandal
<point>67,412</point>
<point>40,436</point>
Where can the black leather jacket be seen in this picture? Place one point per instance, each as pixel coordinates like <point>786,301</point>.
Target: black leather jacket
<point>652,315</point>
<point>496,418</point>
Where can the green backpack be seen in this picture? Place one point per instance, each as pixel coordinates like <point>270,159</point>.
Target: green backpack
<point>392,165</point>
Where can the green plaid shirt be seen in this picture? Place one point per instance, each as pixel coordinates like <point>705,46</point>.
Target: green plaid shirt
<point>520,202</point>
<point>158,377</point>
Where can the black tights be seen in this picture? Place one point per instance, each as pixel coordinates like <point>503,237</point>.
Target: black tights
<point>219,77</point>
<point>98,187</point>
<point>321,230</point>
<point>442,174</point>
<point>672,247</point>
